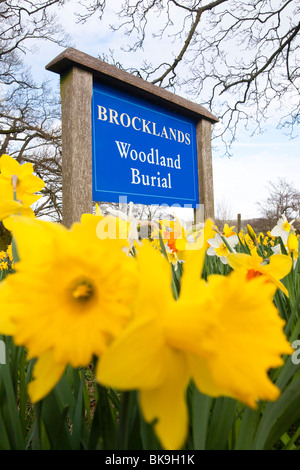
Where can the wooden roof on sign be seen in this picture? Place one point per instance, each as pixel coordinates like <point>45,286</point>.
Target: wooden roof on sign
<point>125,81</point>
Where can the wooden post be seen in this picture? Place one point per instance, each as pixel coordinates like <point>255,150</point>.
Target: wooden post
<point>205,171</point>
<point>76,95</point>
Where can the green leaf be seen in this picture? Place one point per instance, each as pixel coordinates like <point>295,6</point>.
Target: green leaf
<point>247,430</point>
<point>222,420</point>
<point>278,417</point>
<point>103,431</point>
<point>78,418</point>
<point>18,442</point>
<point>4,438</point>
<point>54,416</point>
<point>148,436</point>
<point>201,406</point>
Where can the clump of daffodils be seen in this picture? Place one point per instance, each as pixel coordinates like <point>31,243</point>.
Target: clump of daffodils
<point>93,299</point>
<point>82,293</point>
<point>6,259</point>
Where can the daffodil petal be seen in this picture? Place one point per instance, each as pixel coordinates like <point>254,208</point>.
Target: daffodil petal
<point>247,343</point>
<point>26,169</point>
<point>203,378</point>
<point>167,404</point>
<point>279,266</point>
<point>156,274</point>
<point>11,207</point>
<point>32,184</point>
<point>7,326</point>
<point>9,166</point>
<point>34,238</point>
<point>133,361</point>
<point>239,260</point>
<point>193,264</point>
<point>46,374</point>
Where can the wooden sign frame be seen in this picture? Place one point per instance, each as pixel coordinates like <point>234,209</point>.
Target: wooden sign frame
<point>77,72</point>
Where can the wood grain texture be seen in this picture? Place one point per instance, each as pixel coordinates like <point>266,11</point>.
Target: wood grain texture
<point>113,76</point>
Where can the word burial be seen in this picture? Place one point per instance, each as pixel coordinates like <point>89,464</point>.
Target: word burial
<point>152,158</point>
<point>142,151</point>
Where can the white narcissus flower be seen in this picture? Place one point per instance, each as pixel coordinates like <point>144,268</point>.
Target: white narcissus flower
<point>218,246</point>
<point>282,229</point>
<point>276,249</point>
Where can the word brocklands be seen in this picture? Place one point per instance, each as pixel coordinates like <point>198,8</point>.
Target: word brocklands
<point>153,158</point>
<point>140,124</point>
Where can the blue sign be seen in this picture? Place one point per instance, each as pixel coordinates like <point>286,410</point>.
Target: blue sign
<point>141,151</point>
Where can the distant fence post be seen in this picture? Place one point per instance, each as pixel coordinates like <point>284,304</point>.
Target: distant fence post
<point>239,223</point>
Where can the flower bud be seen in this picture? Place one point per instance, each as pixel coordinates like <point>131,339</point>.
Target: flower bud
<point>292,243</point>
<point>251,233</point>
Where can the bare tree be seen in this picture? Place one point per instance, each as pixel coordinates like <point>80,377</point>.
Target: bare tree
<point>237,57</point>
<point>223,213</point>
<point>283,199</point>
<point>25,19</point>
<point>30,112</point>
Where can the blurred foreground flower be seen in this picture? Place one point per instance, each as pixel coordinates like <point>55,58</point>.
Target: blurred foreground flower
<point>215,334</point>
<point>115,226</point>
<point>68,299</point>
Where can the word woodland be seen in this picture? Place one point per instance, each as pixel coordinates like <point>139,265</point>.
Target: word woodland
<point>153,158</point>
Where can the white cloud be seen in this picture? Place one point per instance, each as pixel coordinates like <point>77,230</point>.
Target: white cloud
<point>243,178</point>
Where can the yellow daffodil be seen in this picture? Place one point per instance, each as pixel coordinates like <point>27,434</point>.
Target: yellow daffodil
<point>214,333</point>
<point>272,270</point>
<point>292,244</point>
<point>70,297</point>
<point>11,207</point>
<point>26,184</point>
<point>173,234</point>
<point>228,231</point>
<point>248,241</point>
<point>173,257</point>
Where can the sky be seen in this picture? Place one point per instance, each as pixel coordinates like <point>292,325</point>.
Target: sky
<point>240,181</point>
